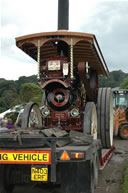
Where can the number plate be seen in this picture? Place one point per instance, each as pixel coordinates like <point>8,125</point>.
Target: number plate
<point>54,65</point>
<point>39,173</point>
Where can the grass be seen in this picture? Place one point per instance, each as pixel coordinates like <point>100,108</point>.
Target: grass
<point>125,184</point>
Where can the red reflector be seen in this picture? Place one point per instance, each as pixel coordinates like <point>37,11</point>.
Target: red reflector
<point>64,156</point>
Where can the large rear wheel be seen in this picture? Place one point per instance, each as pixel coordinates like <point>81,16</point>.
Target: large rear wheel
<point>90,120</point>
<point>105,117</point>
<point>31,116</point>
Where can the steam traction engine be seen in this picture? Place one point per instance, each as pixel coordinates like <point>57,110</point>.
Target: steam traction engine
<point>68,67</point>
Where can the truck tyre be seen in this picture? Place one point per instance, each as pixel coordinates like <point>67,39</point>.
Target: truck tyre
<point>90,120</point>
<point>81,178</point>
<point>105,117</point>
<point>123,131</point>
<point>4,186</point>
<point>31,116</point>
<point>96,168</point>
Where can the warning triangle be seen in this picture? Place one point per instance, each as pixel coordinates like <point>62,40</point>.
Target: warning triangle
<point>65,156</point>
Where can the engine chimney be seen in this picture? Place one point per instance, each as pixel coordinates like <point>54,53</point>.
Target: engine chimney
<point>63,14</point>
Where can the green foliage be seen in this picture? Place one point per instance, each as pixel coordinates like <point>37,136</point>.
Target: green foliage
<point>124,84</point>
<point>9,96</point>
<point>3,105</point>
<point>24,79</point>
<point>114,80</point>
<point>9,91</point>
<point>125,184</point>
<point>7,85</point>
<point>31,92</point>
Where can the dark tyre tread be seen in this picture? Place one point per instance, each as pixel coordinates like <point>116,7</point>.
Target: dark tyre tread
<point>105,116</point>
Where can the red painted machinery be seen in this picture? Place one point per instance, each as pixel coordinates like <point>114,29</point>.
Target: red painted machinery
<point>68,67</point>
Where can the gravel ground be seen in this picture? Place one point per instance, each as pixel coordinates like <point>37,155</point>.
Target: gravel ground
<point>110,178</point>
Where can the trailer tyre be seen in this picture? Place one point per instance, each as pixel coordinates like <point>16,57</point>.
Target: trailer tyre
<point>31,116</point>
<point>77,177</point>
<point>4,186</point>
<point>123,131</point>
<point>105,117</point>
<point>96,168</point>
<point>90,120</point>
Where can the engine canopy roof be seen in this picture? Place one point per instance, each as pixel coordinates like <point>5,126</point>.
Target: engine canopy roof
<point>85,47</point>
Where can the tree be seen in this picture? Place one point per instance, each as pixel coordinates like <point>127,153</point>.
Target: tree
<point>24,79</point>
<point>124,84</point>
<point>3,105</point>
<point>114,80</point>
<point>9,96</point>
<point>31,92</point>
<point>7,85</point>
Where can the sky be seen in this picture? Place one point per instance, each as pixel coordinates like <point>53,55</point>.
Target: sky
<point>108,20</point>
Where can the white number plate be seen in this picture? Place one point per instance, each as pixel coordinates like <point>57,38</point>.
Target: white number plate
<point>54,65</point>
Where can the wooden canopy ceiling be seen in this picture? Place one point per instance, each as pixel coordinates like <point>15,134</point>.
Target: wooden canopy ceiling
<point>85,47</point>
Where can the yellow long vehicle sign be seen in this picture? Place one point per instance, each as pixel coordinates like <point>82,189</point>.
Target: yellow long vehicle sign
<point>25,157</point>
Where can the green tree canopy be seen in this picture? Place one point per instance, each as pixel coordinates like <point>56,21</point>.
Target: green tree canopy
<point>124,84</point>
<point>7,85</point>
<point>9,96</point>
<point>3,105</point>
<point>31,92</point>
<point>114,80</point>
<point>24,79</point>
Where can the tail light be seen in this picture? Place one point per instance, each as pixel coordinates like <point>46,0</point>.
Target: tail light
<point>78,155</point>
